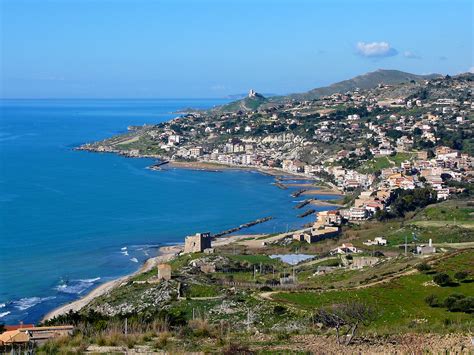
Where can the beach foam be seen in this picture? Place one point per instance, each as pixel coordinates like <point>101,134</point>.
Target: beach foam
<point>76,286</point>
<point>4,314</point>
<point>28,302</point>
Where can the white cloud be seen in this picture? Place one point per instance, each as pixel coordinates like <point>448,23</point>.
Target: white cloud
<point>375,49</point>
<point>471,70</point>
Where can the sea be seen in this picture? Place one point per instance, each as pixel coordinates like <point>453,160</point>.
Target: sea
<point>71,220</point>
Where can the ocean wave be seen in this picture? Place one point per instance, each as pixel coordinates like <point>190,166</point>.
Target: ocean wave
<point>135,260</point>
<point>4,314</point>
<point>76,287</point>
<point>124,253</point>
<point>124,248</point>
<point>95,279</point>
<point>28,302</point>
<point>2,305</point>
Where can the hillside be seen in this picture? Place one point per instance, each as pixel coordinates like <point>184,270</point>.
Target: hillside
<point>237,304</point>
<point>245,105</point>
<point>365,81</point>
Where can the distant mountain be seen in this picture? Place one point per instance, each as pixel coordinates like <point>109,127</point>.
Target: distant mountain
<point>366,81</point>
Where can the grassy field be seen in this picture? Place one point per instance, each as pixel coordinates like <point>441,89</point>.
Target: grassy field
<point>449,211</point>
<point>445,222</point>
<point>401,302</point>
<point>380,163</point>
<point>202,290</point>
<point>343,278</point>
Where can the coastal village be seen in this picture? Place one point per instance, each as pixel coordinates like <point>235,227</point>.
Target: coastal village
<point>366,143</point>
<point>391,169</point>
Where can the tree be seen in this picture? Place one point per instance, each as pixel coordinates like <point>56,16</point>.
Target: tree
<point>442,279</point>
<point>452,299</point>
<point>345,319</point>
<point>423,267</point>
<point>432,301</point>
<point>461,275</point>
<point>464,304</point>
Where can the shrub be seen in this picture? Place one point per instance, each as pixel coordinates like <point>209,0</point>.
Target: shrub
<point>279,310</point>
<point>452,299</point>
<point>265,288</point>
<point>432,301</point>
<point>162,340</point>
<point>283,336</point>
<point>465,304</point>
<point>442,279</point>
<point>461,275</point>
<point>200,328</point>
<point>423,267</point>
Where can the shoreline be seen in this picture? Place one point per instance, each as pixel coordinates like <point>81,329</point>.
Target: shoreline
<point>217,167</point>
<point>165,253</point>
<point>168,252</point>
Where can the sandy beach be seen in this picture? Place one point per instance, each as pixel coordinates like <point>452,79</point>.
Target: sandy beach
<point>216,167</point>
<point>322,192</point>
<point>325,203</point>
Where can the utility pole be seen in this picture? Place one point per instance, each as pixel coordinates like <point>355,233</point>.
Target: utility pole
<point>126,326</point>
<point>406,245</point>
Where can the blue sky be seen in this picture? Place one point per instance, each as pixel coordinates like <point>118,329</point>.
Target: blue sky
<point>212,48</point>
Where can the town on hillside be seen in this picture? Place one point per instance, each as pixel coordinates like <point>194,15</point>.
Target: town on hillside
<point>376,145</point>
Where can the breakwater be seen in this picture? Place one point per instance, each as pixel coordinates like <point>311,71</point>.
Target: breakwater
<point>242,226</point>
<point>281,186</point>
<point>298,193</point>
<point>307,213</point>
<point>303,203</point>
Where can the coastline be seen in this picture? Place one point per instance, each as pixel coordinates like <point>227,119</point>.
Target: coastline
<point>216,167</point>
<point>166,254</point>
<point>212,166</point>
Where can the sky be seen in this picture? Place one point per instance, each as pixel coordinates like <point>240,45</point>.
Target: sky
<point>215,48</point>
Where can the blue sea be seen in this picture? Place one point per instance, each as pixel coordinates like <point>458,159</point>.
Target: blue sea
<point>70,220</point>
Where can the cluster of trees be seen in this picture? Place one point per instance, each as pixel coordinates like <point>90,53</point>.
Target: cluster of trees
<point>403,201</point>
<point>353,161</point>
<point>455,302</point>
<point>455,139</point>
